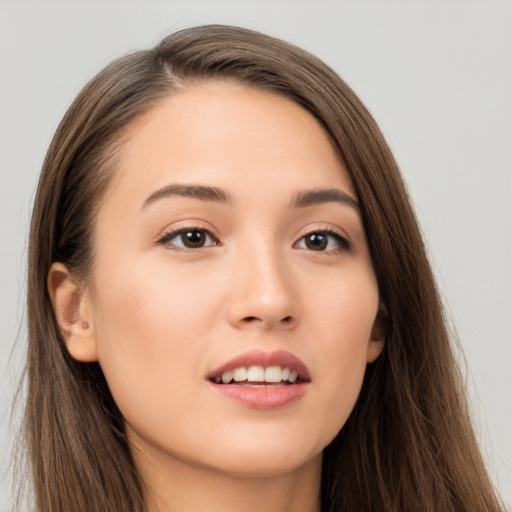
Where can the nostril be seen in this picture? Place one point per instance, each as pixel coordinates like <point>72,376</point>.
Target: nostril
<point>268,320</point>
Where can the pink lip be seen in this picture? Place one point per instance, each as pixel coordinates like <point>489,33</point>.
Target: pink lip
<point>263,396</point>
<point>280,358</point>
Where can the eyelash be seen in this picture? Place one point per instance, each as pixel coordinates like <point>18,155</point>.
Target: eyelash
<point>167,237</point>
<point>342,241</point>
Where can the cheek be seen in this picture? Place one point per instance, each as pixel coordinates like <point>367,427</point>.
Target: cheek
<point>149,303</point>
<point>343,322</point>
<point>149,336</point>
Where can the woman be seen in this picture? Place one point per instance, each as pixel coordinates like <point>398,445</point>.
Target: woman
<point>230,303</point>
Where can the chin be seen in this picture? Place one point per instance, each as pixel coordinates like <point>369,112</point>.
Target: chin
<point>263,456</point>
<point>266,465</point>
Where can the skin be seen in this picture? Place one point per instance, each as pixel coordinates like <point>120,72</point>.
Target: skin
<point>159,317</point>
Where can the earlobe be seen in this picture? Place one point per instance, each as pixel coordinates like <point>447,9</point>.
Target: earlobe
<point>72,309</point>
<point>378,335</point>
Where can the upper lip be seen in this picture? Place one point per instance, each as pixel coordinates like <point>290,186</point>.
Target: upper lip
<point>257,357</point>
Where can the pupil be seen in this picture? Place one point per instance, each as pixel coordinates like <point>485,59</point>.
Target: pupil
<point>316,242</point>
<point>193,238</point>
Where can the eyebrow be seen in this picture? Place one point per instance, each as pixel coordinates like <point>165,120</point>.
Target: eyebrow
<point>302,199</point>
<point>201,192</point>
<point>327,195</point>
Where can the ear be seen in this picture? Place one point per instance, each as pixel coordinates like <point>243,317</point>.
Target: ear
<point>378,335</point>
<point>72,308</point>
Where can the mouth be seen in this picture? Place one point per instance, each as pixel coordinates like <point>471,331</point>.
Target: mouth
<point>256,375</point>
<point>262,380</point>
<point>258,367</point>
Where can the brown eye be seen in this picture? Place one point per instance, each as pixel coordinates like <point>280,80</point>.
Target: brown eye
<point>193,239</point>
<point>323,241</point>
<point>188,239</point>
<point>316,241</point>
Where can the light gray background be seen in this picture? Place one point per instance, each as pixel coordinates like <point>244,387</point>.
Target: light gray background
<point>436,74</point>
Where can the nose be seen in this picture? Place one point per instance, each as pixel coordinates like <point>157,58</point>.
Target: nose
<point>263,295</point>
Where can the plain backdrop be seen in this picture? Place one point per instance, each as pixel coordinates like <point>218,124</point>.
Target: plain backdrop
<point>437,75</point>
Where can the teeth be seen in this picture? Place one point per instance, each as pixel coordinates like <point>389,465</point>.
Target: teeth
<point>227,377</point>
<point>272,374</point>
<point>239,374</point>
<point>255,374</point>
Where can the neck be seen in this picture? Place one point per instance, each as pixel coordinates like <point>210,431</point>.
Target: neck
<point>176,486</point>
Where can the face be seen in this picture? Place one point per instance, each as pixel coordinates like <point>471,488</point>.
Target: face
<point>232,300</point>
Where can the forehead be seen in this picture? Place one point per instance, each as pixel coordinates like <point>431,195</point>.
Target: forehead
<point>229,135</point>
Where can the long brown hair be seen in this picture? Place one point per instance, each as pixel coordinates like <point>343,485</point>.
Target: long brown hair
<point>407,446</point>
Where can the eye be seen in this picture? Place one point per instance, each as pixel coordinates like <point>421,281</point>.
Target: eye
<point>325,240</point>
<point>189,238</point>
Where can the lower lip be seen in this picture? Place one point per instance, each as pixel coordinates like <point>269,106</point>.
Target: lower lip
<point>262,397</point>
